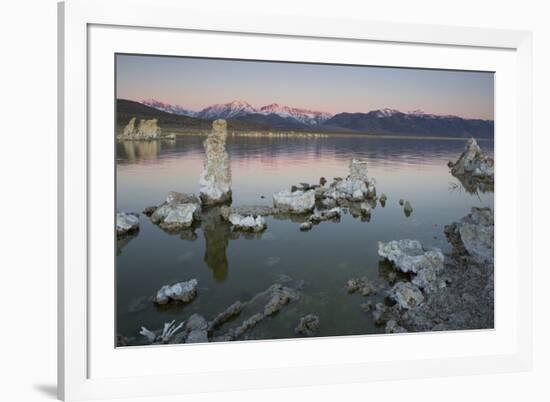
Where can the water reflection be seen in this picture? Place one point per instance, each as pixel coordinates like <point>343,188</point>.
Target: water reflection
<point>472,185</point>
<point>132,151</point>
<point>216,238</point>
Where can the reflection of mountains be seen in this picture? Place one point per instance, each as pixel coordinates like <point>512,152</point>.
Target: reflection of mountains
<point>386,150</point>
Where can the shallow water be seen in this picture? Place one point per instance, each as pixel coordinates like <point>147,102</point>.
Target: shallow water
<point>231,268</point>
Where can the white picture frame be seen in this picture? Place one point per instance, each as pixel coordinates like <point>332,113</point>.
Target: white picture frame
<point>88,368</point>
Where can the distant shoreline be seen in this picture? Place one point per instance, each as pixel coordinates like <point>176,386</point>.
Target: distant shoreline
<point>303,134</point>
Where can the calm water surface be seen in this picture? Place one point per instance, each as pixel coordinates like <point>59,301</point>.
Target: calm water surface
<point>231,268</point>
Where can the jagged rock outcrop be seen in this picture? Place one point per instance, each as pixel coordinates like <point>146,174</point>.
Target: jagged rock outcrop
<point>183,292</point>
<point>409,256</point>
<point>146,130</point>
<point>294,202</point>
<point>474,234</point>
<point>215,180</point>
<point>126,223</point>
<point>473,162</point>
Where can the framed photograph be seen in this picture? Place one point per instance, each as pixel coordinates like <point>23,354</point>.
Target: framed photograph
<point>254,201</point>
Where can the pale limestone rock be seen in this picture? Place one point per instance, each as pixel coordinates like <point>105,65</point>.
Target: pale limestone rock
<point>475,233</point>
<point>298,202</point>
<point>473,162</point>
<point>146,130</point>
<point>355,187</point>
<point>126,223</point>
<point>304,226</point>
<point>179,212</point>
<point>409,256</point>
<point>182,291</point>
<point>129,128</point>
<point>215,180</point>
<point>247,223</point>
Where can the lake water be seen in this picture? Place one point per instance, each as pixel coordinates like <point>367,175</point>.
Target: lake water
<point>230,268</point>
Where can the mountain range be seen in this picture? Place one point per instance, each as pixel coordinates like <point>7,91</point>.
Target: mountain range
<point>382,121</point>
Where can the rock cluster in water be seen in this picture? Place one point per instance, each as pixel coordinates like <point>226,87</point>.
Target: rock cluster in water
<point>145,130</point>
<point>297,202</point>
<point>215,180</point>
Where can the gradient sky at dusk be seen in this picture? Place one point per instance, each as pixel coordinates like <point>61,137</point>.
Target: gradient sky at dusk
<point>196,83</point>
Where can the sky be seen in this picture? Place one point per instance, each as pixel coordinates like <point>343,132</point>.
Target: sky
<point>196,83</point>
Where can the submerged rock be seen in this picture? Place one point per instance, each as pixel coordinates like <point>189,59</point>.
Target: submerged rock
<point>215,180</point>
<point>308,325</point>
<point>280,296</point>
<point>473,162</point>
<point>126,223</point>
<point>230,312</point>
<point>247,223</point>
<point>363,285</point>
<point>183,292</point>
<point>407,208</point>
<point>196,329</point>
<point>297,202</point>
<point>474,234</point>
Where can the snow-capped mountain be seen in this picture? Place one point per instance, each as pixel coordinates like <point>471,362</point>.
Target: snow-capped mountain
<point>305,116</point>
<point>386,112</point>
<point>229,110</point>
<point>239,108</point>
<point>168,108</point>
